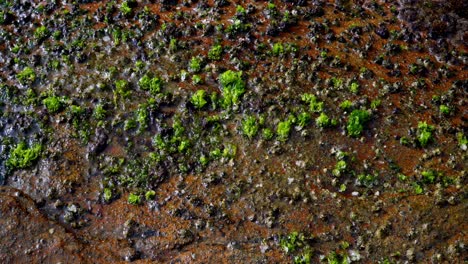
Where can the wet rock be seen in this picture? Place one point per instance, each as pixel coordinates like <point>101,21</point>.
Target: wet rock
<point>410,254</point>
<point>99,143</point>
<point>382,31</point>
<point>128,254</point>
<point>26,235</point>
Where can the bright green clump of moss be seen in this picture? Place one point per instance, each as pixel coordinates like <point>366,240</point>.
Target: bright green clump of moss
<point>153,84</point>
<point>445,109</point>
<point>346,104</point>
<point>127,7</point>
<point>142,116</point>
<point>323,120</point>
<point>52,103</point>
<point>267,133</point>
<point>354,87</point>
<point>424,134</point>
<point>340,167</point>
<point>22,156</point>
<point>314,104</point>
<point>197,79</point>
<point>303,119</point>
<point>357,119</point>
<point>250,126</point>
<point>134,199</point>
<point>122,88</point>
<point>215,52</point>
<point>150,195</point>
<point>41,33</point>
<point>198,99</point>
<point>232,86</point>
<point>284,129</point>
<point>195,64</point>
<point>277,49</point>
<point>26,75</point>
<point>107,194</point>
<point>429,176</point>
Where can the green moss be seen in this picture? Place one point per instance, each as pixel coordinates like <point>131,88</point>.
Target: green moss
<point>402,177</point>
<point>178,128</point>
<point>153,84</point>
<point>323,120</point>
<point>356,121</point>
<point>375,104</point>
<point>184,146</point>
<point>346,105</point>
<point>277,49</point>
<point>354,87</point>
<point>41,33</point>
<point>27,75</point>
<point>22,156</point>
<point>303,119</point>
<point>195,64</point>
<point>238,26</point>
<point>57,34</point>
<point>31,97</point>
<point>250,126</point>
<point>2,16</point>
<point>204,160</point>
<point>404,141</point>
<point>297,245</point>
<point>445,110</point>
<point>337,82</point>
<point>240,9</point>
<point>99,112</point>
<point>323,54</point>
<point>334,258</point>
<point>417,188</point>
<point>173,45</point>
<point>424,134</point>
<point>462,140</point>
<point>366,179</point>
<point>142,116</point>
<point>150,195</point>
<point>76,111</point>
<point>215,52</point>
<point>197,79</point>
<point>116,36</point>
<point>304,258</point>
<point>130,124</point>
<point>283,130</point>
<point>125,8</point>
<point>52,103</point>
<point>16,49</point>
<point>198,99</point>
<point>134,199</point>
<point>215,153</point>
<point>233,87</point>
<point>107,194</point>
<point>159,142</point>
<point>315,105</point>
<point>291,242</point>
<point>122,88</point>
<point>340,167</point>
<point>429,176</point>
<point>267,133</point>
<point>229,151</point>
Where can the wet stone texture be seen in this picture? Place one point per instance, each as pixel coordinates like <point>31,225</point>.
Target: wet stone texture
<point>313,131</point>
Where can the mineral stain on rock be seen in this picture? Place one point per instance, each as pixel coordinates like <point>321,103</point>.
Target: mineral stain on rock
<point>233,131</point>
